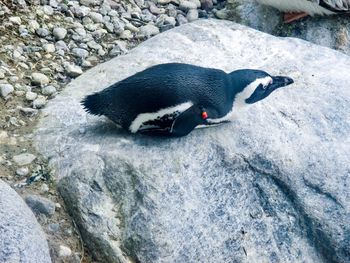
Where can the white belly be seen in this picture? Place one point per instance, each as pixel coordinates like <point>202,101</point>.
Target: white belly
<point>310,7</point>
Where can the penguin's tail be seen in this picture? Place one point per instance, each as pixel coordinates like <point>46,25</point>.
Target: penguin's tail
<point>93,104</point>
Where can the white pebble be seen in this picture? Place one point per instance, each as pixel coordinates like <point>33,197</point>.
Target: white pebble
<point>6,89</point>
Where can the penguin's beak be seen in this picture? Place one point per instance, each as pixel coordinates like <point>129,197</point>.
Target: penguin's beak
<point>279,82</point>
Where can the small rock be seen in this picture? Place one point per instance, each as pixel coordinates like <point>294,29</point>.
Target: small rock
<point>207,5</point>
<point>80,11</point>
<point>28,111</point>
<point>88,2</point>
<point>166,27</point>
<point>53,228</point>
<point>163,2</point>
<point>93,45</point>
<point>2,74</point>
<point>170,20</point>
<point>73,70</point>
<point>181,20</point>
<point>40,205</point>
<point>6,89</point>
<point>48,10</point>
<point>39,79</point>
<point>49,48</point>
<point>39,102</point>
<point>59,33</point>
<point>156,10</point>
<point>64,251</point>
<point>131,27</point>
<point>15,19</point>
<point>222,14</point>
<point>22,171</point>
<point>33,25</point>
<point>31,96</point>
<point>148,30</point>
<point>53,3</point>
<point>126,34</point>
<point>80,53</point>
<point>24,158</point>
<point>96,17</point>
<point>196,2</point>
<point>48,90</point>
<point>3,137</point>
<point>61,45</point>
<point>187,5</point>
<point>192,15</point>
<point>44,188</point>
<point>42,32</point>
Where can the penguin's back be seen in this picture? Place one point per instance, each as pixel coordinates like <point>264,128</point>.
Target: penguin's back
<point>163,86</point>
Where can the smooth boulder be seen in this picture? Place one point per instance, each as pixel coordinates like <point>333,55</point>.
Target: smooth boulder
<point>272,186</point>
<point>21,237</point>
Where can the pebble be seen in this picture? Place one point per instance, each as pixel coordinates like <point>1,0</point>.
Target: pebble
<point>126,34</point>
<point>30,96</point>
<point>39,102</point>
<point>24,159</point>
<point>6,89</point>
<point>48,90</point>
<point>40,205</point>
<point>80,53</point>
<point>96,17</point>
<point>2,74</point>
<point>28,111</point>
<point>180,19</point>
<point>39,79</point>
<point>148,30</point>
<point>192,15</point>
<point>15,19</point>
<point>59,33</point>
<point>207,5</point>
<point>48,10</point>
<point>61,45</point>
<point>49,48</point>
<point>44,188</point>
<point>187,5</point>
<point>93,45</point>
<point>33,25</point>
<point>73,70</point>
<point>53,228</point>
<point>3,137</point>
<point>42,32</point>
<point>22,171</point>
<point>64,251</point>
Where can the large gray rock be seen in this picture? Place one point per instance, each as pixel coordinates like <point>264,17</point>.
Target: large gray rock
<point>272,186</point>
<point>21,237</point>
<point>329,31</point>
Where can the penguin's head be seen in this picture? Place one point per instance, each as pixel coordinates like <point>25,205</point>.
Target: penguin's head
<point>255,85</point>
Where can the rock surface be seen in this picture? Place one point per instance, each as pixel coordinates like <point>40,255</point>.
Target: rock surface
<point>272,186</point>
<point>21,237</point>
<point>329,31</point>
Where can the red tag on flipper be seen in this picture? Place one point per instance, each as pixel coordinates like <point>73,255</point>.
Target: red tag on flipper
<point>204,115</point>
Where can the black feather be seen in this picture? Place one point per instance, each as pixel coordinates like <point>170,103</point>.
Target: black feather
<point>93,104</point>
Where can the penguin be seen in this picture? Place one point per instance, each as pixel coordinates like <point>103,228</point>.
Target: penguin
<point>302,8</point>
<point>173,99</point>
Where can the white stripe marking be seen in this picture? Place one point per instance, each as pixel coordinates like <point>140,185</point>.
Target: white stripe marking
<point>145,117</point>
<point>239,101</point>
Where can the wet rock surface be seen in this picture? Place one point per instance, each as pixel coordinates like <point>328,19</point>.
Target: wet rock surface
<point>271,186</point>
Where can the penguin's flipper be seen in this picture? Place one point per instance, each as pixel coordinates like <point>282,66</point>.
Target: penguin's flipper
<point>187,121</point>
